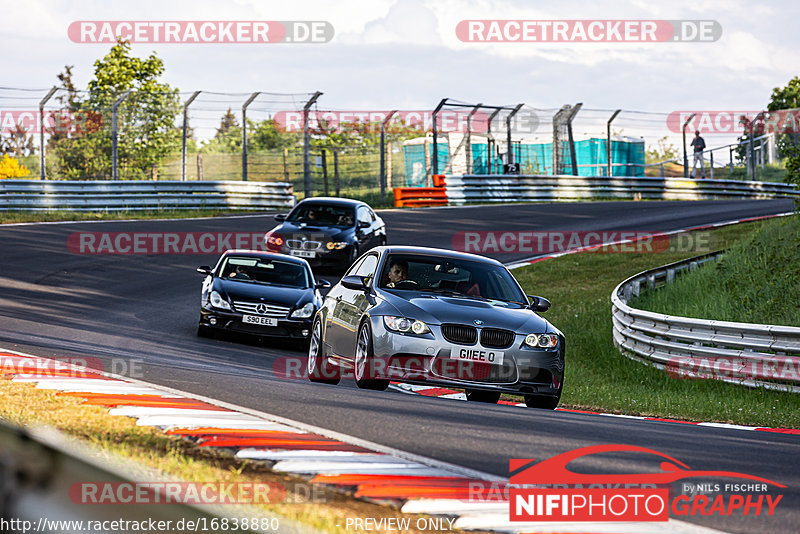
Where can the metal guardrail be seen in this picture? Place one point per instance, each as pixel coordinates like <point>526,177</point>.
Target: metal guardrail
<point>742,353</point>
<point>516,188</point>
<point>41,473</point>
<point>107,195</point>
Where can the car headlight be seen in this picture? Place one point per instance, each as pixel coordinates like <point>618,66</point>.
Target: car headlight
<point>218,302</point>
<point>541,341</point>
<point>405,325</point>
<point>335,245</point>
<point>274,240</point>
<point>305,312</point>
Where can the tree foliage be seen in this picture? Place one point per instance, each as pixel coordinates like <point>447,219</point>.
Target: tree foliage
<point>147,130</point>
<point>11,168</point>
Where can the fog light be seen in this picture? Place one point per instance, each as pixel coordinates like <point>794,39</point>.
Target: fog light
<point>305,333</point>
<point>213,320</point>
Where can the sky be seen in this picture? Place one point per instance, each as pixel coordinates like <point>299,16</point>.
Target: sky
<point>388,54</point>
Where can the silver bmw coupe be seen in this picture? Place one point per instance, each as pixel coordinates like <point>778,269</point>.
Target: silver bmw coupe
<point>437,317</point>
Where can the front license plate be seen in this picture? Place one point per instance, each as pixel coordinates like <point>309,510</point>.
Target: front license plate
<point>476,354</point>
<point>264,321</point>
<point>303,253</point>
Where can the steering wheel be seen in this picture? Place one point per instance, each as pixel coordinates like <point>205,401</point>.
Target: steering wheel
<point>406,284</point>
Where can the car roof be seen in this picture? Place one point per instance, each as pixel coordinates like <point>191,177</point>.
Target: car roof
<point>333,201</point>
<point>438,252</point>
<point>264,255</point>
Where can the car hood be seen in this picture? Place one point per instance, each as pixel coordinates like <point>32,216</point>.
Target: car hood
<point>289,230</point>
<point>437,309</point>
<point>287,296</point>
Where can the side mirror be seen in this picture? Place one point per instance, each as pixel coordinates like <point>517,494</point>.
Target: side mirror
<point>205,269</point>
<point>319,284</point>
<point>355,283</point>
<point>363,224</point>
<point>280,217</point>
<point>539,304</point>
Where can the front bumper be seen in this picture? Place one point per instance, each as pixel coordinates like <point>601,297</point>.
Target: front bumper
<point>322,256</point>
<point>425,359</point>
<point>232,321</point>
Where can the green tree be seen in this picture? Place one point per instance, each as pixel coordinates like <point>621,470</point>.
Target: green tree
<point>261,135</point>
<point>146,119</point>
<point>662,151</point>
<point>788,97</point>
<point>17,143</point>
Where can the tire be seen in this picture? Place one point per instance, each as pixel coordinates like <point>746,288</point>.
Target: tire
<point>204,331</point>
<point>318,369</point>
<point>477,395</point>
<point>365,355</point>
<point>541,402</point>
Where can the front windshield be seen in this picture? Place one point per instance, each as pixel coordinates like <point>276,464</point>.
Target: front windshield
<point>322,215</point>
<point>450,276</point>
<point>265,271</point>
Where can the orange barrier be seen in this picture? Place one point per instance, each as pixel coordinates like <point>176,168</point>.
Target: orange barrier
<point>415,197</point>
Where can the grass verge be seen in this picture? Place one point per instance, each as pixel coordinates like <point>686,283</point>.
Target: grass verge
<point>757,281</point>
<point>599,378</point>
<point>321,508</point>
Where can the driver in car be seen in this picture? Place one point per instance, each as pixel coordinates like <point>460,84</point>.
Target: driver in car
<point>398,272</point>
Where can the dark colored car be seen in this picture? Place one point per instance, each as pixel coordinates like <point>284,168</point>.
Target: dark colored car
<point>259,293</point>
<point>437,317</point>
<point>327,231</point>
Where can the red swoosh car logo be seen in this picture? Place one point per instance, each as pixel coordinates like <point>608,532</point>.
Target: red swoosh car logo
<point>554,470</point>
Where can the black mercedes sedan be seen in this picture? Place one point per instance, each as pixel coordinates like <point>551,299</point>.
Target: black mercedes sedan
<point>327,231</point>
<point>259,293</point>
<point>437,317</point>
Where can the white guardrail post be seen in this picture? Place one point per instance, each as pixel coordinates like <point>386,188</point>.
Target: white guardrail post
<point>109,195</point>
<point>462,189</point>
<point>741,353</point>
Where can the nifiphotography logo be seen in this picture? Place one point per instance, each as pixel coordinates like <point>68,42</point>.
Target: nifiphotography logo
<point>549,491</point>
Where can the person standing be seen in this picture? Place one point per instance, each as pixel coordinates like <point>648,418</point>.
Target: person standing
<point>699,145</point>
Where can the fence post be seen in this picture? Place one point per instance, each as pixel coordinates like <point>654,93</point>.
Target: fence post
<point>389,165</point>
<point>155,171</point>
<point>711,157</point>
<point>730,154</point>
<point>509,147</point>
<point>490,142</point>
<point>609,153</point>
<point>435,141</point>
<point>306,148</point>
<point>574,111</point>
<point>336,171</point>
<point>199,167</point>
<point>685,156</point>
<point>382,176</point>
<point>427,163</point>
<point>185,130</point>
<point>244,133</point>
<point>286,164</point>
<point>325,172</point>
<point>41,131</point>
<point>114,150</point>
